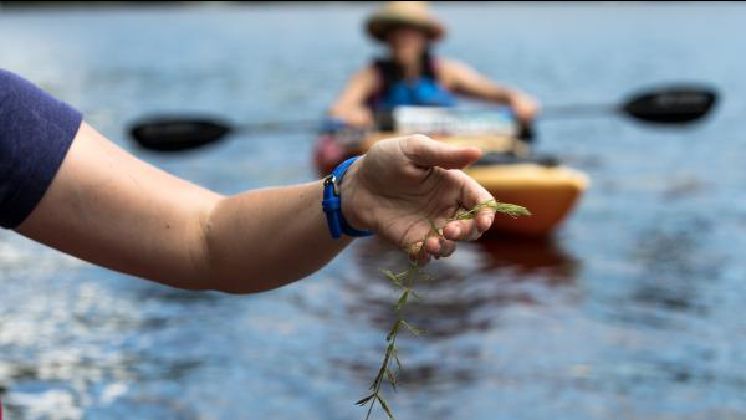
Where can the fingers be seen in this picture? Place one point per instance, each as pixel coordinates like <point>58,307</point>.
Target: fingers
<point>433,247</point>
<point>442,244</point>
<point>447,247</point>
<point>439,246</point>
<point>484,220</point>
<point>472,195</point>
<point>462,230</point>
<point>426,152</point>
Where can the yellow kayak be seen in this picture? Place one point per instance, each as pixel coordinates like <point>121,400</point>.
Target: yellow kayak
<point>550,193</point>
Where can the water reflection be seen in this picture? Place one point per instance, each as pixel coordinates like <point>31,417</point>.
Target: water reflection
<point>545,257</point>
<point>463,300</point>
<point>466,291</point>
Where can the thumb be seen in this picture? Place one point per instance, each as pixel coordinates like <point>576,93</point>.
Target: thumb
<point>426,152</point>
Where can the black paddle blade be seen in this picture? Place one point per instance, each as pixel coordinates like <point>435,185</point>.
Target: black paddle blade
<point>173,134</point>
<point>671,105</point>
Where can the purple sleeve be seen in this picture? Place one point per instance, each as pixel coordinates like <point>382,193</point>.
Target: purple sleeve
<point>36,131</point>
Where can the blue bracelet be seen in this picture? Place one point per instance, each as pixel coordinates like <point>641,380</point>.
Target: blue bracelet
<point>332,203</point>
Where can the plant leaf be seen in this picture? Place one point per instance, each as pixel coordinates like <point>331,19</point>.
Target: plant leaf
<point>385,407</point>
<point>395,354</point>
<point>393,277</point>
<point>462,214</point>
<point>392,378</point>
<point>414,330</point>
<point>365,400</point>
<point>425,277</point>
<point>512,210</point>
<point>402,300</point>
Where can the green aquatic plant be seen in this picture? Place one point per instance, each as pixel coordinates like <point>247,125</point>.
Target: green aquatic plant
<point>405,282</point>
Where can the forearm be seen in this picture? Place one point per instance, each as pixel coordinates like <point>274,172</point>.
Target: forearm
<point>339,112</point>
<point>352,114</point>
<point>107,207</point>
<point>266,238</point>
<point>523,106</point>
<point>350,105</point>
<point>464,80</point>
<point>500,94</point>
<point>490,92</point>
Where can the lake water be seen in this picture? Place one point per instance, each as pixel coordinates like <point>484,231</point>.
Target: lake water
<point>633,310</point>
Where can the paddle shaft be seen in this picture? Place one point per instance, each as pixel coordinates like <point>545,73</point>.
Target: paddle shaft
<point>672,105</point>
<point>276,127</point>
<point>579,110</point>
<point>576,110</point>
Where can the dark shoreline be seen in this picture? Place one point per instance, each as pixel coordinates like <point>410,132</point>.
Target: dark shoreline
<point>153,4</point>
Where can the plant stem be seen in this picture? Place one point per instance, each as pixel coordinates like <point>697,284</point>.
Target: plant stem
<point>406,281</point>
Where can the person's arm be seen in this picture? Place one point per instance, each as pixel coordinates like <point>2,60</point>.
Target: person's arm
<point>466,81</point>
<point>350,104</point>
<point>106,206</point>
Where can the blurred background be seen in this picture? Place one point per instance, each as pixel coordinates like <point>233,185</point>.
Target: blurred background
<point>633,308</point>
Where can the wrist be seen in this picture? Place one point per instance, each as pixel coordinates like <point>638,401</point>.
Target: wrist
<point>353,210</point>
<point>333,204</point>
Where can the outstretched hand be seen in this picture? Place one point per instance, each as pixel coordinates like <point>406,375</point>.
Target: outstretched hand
<point>403,186</point>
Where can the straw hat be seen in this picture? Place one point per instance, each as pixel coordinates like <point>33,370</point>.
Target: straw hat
<point>411,13</point>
